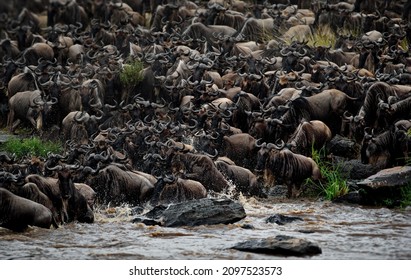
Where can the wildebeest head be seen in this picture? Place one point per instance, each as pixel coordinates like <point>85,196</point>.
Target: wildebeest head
<point>40,109</point>
<point>66,184</point>
<point>291,58</point>
<point>263,155</point>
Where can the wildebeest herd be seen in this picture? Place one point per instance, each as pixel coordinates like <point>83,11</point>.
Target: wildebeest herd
<point>233,96</point>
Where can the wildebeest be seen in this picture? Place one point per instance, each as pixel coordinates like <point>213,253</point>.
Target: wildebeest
<point>309,135</point>
<point>200,168</point>
<point>28,106</point>
<point>219,15</point>
<point>32,192</point>
<point>115,185</point>
<point>242,148</point>
<point>92,95</point>
<point>327,106</point>
<point>386,149</point>
<point>76,204</point>
<point>396,110</point>
<point>175,190</point>
<point>36,52</point>
<point>243,179</point>
<point>70,205</point>
<point>88,193</point>
<point>284,166</point>
<point>24,81</point>
<point>254,29</point>
<point>210,33</point>
<point>67,12</point>
<point>377,93</point>
<point>17,213</point>
<point>74,127</point>
<point>49,186</point>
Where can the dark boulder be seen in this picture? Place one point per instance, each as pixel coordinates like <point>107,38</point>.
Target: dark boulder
<point>353,197</point>
<point>390,177</point>
<point>343,147</point>
<point>356,170</point>
<point>197,212</point>
<point>386,186</point>
<point>280,245</point>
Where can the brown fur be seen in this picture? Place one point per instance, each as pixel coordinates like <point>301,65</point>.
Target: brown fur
<point>17,213</point>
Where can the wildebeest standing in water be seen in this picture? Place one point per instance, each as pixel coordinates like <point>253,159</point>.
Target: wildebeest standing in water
<point>17,213</point>
<point>283,166</point>
<point>75,203</point>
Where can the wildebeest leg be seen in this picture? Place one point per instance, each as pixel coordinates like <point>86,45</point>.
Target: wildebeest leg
<point>299,191</point>
<point>289,190</point>
<point>64,214</point>
<point>54,222</point>
<point>15,125</point>
<point>10,121</point>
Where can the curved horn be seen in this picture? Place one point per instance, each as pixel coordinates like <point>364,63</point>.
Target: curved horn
<point>81,116</point>
<point>212,156</point>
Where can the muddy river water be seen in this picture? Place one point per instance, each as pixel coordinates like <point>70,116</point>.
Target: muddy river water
<point>342,232</point>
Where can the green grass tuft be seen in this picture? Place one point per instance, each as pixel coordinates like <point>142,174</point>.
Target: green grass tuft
<point>131,75</point>
<point>405,196</point>
<point>322,36</point>
<point>404,44</point>
<point>332,184</point>
<point>31,147</point>
<point>402,201</point>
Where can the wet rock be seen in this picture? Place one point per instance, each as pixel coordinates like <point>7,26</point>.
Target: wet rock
<point>280,219</point>
<point>353,197</point>
<point>356,170</point>
<point>137,210</point>
<point>147,222</point>
<point>343,147</point>
<point>247,226</point>
<point>385,185</point>
<point>390,177</point>
<point>204,211</point>
<point>280,245</point>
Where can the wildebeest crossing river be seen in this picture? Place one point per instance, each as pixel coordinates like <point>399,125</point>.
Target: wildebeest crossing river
<point>342,232</point>
<point>220,73</point>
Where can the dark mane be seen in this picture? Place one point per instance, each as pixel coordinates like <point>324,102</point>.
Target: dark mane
<point>376,92</point>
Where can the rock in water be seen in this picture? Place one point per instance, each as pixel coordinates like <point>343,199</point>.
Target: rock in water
<point>197,212</point>
<point>390,177</point>
<point>280,245</point>
<point>356,170</point>
<point>385,185</point>
<point>280,219</point>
